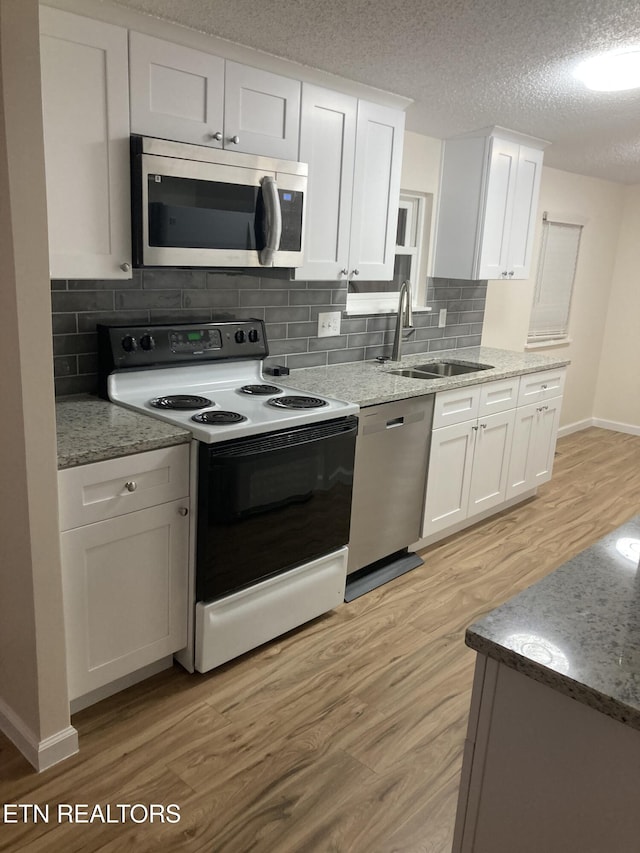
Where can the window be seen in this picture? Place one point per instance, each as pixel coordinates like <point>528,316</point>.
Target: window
<point>377,297</point>
<point>554,282</point>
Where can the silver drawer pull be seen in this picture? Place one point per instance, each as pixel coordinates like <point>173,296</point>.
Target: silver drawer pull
<point>131,486</point>
<point>395,422</point>
<point>183,511</point>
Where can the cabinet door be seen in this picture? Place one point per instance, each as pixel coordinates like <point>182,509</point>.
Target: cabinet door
<point>534,443</point>
<point>448,476</point>
<point>85,101</point>
<point>176,92</point>
<point>125,594</point>
<point>491,461</point>
<point>376,192</point>
<point>327,144</point>
<point>501,186</point>
<point>544,446</point>
<point>525,208</point>
<point>262,111</point>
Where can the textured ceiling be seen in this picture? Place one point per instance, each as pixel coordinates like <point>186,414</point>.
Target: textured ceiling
<point>466,64</point>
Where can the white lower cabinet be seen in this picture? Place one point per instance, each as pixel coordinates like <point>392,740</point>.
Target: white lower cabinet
<point>468,469</point>
<point>125,577</point>
<point>490,444</point>
<point>534,444</point>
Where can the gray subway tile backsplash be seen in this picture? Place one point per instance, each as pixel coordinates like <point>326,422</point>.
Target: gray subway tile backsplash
<point>290,309</point>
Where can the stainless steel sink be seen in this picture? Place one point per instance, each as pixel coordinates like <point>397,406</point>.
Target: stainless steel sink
<point>439,369</point>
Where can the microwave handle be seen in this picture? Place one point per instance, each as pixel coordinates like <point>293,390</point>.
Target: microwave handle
<point>273,220</point>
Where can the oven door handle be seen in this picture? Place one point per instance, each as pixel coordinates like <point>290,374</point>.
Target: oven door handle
<point>273,220</point>
<point>283,440</point>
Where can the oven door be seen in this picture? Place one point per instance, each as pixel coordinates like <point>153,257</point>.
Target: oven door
<point>269,503</point>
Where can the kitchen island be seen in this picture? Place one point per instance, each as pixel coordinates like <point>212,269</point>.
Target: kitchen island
<point>552,757</point>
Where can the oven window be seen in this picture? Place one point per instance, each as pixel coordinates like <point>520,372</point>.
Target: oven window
<point>270,510</point>
<point>194,214</point>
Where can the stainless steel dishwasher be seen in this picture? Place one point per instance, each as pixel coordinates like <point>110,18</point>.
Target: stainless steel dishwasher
<point>392,453</point>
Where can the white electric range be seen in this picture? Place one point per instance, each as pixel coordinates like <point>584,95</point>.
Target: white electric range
<point>272,470</point>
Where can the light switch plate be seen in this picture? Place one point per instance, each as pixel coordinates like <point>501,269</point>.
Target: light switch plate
<point>328,324</point>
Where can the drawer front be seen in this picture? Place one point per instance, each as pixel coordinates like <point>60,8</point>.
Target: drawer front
<point>456,406</point>
<point>541,386</point>
<point>499,396</point>
<point>115,487</point>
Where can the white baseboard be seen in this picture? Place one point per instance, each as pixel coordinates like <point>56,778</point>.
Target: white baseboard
<point>567,429</point>
<point>39,753</point>
<point>630,429</point>
<point>598,422</point>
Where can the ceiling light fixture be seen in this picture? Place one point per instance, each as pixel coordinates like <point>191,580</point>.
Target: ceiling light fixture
<point>611,72</point>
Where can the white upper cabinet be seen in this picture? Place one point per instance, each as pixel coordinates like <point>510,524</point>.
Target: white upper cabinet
<point>190,96</point>
<point>487,208</point>
<point>261,111</point>
<point>85,100</point>
<point>327,144</point>
<point>376,192</point>
<point>354,152</point>
<point>176,92</point>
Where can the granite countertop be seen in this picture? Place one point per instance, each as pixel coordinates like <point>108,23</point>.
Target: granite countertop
<point>370,382</point>
<point>91,430</point>
<point>578,629</point>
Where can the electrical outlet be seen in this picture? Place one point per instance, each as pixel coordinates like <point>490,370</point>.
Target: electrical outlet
<point>328,324</point>
<point>442,318</point>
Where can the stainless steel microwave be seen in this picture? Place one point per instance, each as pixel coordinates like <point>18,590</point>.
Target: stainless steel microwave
<point>194,206</point>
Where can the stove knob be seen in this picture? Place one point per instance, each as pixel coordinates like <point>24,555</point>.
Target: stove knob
<point>240,336</point>
<point>129,343</point>
<point>147,342</point>
<point>254,337</point>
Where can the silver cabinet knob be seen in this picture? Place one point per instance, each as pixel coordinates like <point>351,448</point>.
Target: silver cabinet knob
<point>217,135</point>
<point>125,267</point>
<point>504,274</point>
<point>344,272</point>
<point>131,486</point>
<point>474,428</point>
<point>183,511</point>
<point>355,272</point>
<point>510,273</point>
<point>234,139</point>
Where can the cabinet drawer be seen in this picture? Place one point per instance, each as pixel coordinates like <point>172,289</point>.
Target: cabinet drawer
<point>498,396</point>
<point>456,406</point>
<point>541,386</point>
<point>115,487</point>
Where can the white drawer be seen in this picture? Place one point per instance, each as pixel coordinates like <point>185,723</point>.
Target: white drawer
<point>499,396</point>
<point>114,487</point>
<point>541,385</point>
<point>456,406</point>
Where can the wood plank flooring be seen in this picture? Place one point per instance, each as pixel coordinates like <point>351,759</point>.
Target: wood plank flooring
<point>345,735</point>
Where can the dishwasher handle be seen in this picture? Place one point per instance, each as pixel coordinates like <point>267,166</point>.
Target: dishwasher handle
<point>380,422</point>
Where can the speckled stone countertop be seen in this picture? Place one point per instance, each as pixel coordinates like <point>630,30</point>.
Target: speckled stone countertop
<point>90,430</point>
<point>369,382</point>
<point>578,629</point>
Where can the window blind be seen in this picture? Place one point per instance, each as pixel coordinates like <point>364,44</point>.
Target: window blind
<point>554,281</point>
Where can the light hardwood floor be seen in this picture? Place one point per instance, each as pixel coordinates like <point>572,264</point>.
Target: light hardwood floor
<point>345,735</point>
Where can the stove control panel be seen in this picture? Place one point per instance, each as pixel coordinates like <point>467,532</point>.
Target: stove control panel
<point>121,347</point>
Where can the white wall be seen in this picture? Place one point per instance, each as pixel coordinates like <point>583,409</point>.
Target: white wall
<point>508,306</point>
<point>34,708</point>
<point>618,389</point>
<point>421,173</point>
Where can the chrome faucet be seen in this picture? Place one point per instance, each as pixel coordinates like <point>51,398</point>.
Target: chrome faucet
<point>404,320</point>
